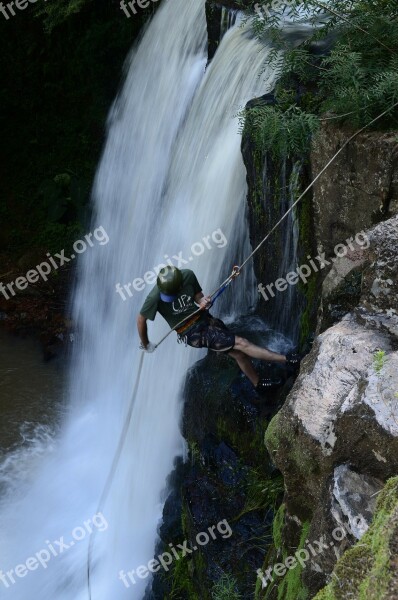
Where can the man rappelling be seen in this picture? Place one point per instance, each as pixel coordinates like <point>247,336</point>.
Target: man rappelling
<point>177,297</point>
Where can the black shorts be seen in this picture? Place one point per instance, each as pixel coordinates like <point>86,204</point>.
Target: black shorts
<point>211,334</point>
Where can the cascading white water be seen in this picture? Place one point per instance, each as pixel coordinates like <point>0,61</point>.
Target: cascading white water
<point>286,314</point>
<point>171,174</point>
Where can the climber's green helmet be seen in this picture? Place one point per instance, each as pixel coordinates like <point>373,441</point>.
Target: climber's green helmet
<point>169,283</point>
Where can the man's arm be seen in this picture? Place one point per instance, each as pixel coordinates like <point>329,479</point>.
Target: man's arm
<point>142,330</point>
<point>202,300</point>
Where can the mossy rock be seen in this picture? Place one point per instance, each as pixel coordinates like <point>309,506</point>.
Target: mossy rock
<point>368,571</point>
<point>290,586</point>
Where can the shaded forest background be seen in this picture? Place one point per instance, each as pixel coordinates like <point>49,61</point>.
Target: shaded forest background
<point>61,66</point>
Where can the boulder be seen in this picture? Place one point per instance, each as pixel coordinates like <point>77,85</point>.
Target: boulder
<point>336,439</point>
<point>366,278</point>
<point>370,568</point>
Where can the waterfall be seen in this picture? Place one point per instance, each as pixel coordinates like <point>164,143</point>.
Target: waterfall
<point>286,317</point>
<point>228,20</point>
<point>171,180</point>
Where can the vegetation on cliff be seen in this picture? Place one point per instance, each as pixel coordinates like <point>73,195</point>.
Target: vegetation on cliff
<point>346,70</point>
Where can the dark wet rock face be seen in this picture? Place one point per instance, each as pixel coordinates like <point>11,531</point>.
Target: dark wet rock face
<point>273,186</point>
<point>228,482</point>
<point>359,189</point>
<point>214,493</point>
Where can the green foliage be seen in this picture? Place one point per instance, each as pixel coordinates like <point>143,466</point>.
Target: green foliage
<point>55,13</point>
<point>280,132</point>
<point>277,526</point>
<point>363,88</point>
<point>181,581</point>
<point>226,588</point>
<point>290,586</point>
<point>353,82</point>
<point>261,493</point>
<point>379,360</point>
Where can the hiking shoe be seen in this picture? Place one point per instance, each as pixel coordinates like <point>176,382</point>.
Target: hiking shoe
<point>267,385</point>
<point>293,360</point>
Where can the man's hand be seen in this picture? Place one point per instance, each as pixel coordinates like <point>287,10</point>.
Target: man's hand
<point>148,348</point>
<point>204,302</point>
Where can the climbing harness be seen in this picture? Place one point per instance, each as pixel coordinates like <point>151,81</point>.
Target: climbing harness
<point>236,271</point>
<point>214,295</point>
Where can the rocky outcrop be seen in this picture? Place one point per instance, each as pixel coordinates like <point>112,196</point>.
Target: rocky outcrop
<point>220,15</point>
<point>370,568</point>
<point>360,187</point>
<point>336,438</point>
<point>367,278</point>
<point>379,298</point>
<point>234,4</point>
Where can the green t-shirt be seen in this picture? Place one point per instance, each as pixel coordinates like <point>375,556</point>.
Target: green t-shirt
<point>180,308</point>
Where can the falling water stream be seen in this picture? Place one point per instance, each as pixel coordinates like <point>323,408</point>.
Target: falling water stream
<point>171,181</point>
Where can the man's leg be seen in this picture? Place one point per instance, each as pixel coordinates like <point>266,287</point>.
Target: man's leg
<point>254,351</point>
<point>245,365</point>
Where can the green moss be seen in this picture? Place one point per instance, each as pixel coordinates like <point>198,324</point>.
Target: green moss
<point>304,460</point>
<point>248,444</point>
<point>300,457</point>
<point>271,437</point>
<point>226,589</point>
<point>277,526</point>
<point>261,492</point>
<point>258,192</point>
<point>365,571</point>
<point>182,585</point>
<point>289,587</point>
<point>293,586</point>
<point>187,572</point>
